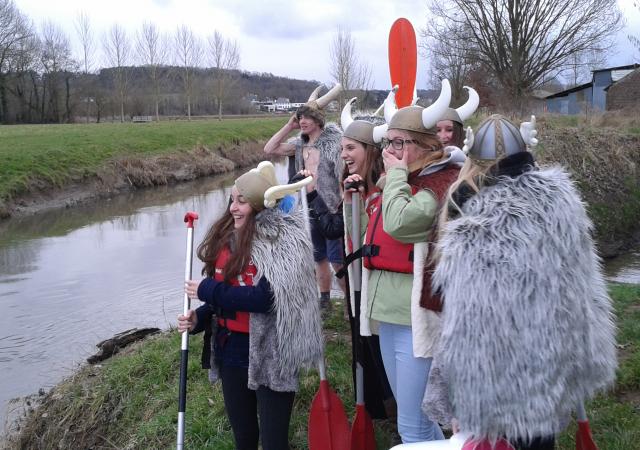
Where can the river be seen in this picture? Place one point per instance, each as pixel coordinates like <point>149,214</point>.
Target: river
<point>70,278</point>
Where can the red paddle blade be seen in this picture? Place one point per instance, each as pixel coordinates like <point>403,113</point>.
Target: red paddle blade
<point>362,435</point>
<point>328,423</point>
<point>403,60</point>
<point>584,439</point>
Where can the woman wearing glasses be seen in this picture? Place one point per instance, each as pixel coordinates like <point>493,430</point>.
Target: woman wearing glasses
<point>399,235</point>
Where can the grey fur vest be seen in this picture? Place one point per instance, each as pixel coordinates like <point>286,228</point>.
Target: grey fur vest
<point>290,337</point>
<point>528,328</point>
<point>330,166</point>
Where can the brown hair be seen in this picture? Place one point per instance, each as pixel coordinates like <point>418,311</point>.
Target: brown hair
<point>373,166</point>
<point>222,234</point>
<point>457,138</point>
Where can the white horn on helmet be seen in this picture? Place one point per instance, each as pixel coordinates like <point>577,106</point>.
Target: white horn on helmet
<point>346,117</point>
<point>433,113</point>
<point>467,110</point>
<point>314,95</point>
<point>390,104</point>
<point>329,96</point>
<point>380,132</point>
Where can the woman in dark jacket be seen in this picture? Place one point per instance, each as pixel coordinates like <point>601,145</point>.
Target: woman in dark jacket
<point>260,307</point>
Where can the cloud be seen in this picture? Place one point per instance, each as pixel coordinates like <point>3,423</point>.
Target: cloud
<point>302,19</point>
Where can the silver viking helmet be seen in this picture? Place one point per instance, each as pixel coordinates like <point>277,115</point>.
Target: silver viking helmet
<point>497,137</point>
<point>416,118</point>
<point>360,130</point>
<point>465,111</point>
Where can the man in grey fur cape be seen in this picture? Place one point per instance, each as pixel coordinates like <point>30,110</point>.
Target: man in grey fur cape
<point>317,149</point>
<point>528,331</point>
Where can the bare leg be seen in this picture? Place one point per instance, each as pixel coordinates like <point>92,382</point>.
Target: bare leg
<point>323,275</point>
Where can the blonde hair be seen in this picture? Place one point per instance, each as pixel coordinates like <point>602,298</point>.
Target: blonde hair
<point>472,174</point>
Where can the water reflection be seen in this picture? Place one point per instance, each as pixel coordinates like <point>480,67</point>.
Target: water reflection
<point>624,268</point>
<point>71,278</point>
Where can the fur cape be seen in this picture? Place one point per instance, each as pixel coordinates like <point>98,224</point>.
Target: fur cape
<point>290,337</point>
<point>330,166</point>
<point>528,328</point>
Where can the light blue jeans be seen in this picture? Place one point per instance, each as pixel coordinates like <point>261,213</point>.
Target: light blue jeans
<point>408,379</point>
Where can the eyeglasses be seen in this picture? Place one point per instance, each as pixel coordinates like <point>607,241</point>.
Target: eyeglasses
<point>397,143</point>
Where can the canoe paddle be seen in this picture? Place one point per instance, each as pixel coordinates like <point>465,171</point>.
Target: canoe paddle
<point>328,426</point>
<point>403,60</point>
<point>362,434</point>
<point>189,219</point>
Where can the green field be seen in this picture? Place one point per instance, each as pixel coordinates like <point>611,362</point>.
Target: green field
<point>57,154</point>
<point>131,400</point>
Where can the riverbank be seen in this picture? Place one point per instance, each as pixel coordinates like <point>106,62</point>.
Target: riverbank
<point>51,166</point>
<point>130,401</point>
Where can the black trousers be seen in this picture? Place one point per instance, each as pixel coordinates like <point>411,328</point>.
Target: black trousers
<point>539,443</point>
<point>263,414</point>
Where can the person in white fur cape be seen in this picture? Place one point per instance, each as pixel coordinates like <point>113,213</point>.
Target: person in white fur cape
<point>527,324</point>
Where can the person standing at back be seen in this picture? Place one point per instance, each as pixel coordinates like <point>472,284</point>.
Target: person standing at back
<point>317,150</point>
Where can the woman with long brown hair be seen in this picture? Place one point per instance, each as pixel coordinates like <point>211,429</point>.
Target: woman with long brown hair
<point>260,310</point>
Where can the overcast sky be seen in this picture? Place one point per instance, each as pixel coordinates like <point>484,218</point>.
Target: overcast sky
<point>291,38</point>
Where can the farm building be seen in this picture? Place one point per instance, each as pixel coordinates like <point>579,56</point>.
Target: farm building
<point>594,95</point>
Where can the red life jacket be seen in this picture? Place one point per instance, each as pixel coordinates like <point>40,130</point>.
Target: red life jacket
<point>241,321</point>
<point>383,252</point>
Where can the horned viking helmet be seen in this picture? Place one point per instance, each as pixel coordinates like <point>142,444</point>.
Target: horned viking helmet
<point>465,111</point>
<point>497,137</point>
<point>361,130</point>
<point>416,118</point>
<point>315,106</point>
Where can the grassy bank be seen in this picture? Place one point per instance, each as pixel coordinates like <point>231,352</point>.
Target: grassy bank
<point>91,160</point>
<point>131,400</point>
<point>44,156</point>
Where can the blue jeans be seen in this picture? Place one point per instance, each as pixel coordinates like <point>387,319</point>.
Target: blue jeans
<point>408,379</point>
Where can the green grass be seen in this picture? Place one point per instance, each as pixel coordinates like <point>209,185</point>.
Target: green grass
<point>131,401</point>
<point>615,418</point>
<point>57,154</point>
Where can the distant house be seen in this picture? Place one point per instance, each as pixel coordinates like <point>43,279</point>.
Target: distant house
<point>592,95</point>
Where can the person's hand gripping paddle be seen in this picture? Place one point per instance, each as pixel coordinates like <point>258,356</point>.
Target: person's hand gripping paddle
<point>189,219</point>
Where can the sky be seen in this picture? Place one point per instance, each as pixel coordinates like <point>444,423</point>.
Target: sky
<point>286,38</point>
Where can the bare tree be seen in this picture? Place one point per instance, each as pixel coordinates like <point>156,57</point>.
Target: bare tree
<point>224,56</point>
<point>346,67</point>
<point>189,53</point>
<point>581,64</point>
<point>456,66</point>
<point>635,39</point>
<point>117,50</point>
<point>24,67</point>
<point>522,42</point>
<point>87,44</point>
<point>14,29</point>
<point>152,52</point>
<point>58,66</point>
